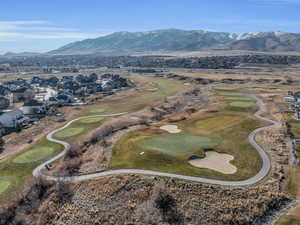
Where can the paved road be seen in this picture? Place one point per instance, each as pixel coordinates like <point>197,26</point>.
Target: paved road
<point>251,138</point>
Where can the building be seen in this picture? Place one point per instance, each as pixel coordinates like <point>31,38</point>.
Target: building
<point>33,107</point>
<point>4,103</point>
<point>289,99</point>
<point>12,120</point>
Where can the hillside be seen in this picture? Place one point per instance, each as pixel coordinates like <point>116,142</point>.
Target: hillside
<point>184,40</point>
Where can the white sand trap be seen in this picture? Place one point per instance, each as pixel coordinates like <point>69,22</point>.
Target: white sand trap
<point>215,161</point>
<point>172,129</point>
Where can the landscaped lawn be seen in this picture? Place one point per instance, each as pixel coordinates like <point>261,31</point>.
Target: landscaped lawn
<point>229,93</point>
<point>69,132</point>
<point>91,120</point>
<point>4,184</point>
<point>35,154</point>
<point>239,98</point>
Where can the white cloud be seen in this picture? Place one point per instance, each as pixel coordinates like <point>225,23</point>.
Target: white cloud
<point>39,29</point>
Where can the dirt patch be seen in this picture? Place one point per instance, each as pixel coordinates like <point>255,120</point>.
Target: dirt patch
<point>215,161</point>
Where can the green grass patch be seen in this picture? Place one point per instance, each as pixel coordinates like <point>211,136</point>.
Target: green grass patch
<point>229,93</point>
<point>18,173</point>
<point>4,185</point>
<point>225,131</point>
<point>289,221</point>
<point>224,89</point>
<point>136,100</point>
<point>69,132</point>
<point>239,98</point>
<point>35,154</point>
<point>178,144</point>
<point>242,104</point>
<point>91,120</point>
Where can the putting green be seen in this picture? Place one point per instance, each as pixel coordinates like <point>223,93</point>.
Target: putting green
<point>242,104</point>
<point>91,120</point>
<point>178,144</point>
<point>101,110</point>
<point>69,132</point>
<point>4,184</point>
<point>34,154</point>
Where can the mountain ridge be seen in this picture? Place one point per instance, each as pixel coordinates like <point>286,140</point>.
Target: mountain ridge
<point>185,40</point>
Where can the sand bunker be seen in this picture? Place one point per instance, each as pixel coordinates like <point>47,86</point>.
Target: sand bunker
<point>172,129</point>
<point>215,161</point>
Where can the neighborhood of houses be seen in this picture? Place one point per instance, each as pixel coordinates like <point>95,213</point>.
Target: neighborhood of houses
<point>294,99</point>
<point>23,102</point>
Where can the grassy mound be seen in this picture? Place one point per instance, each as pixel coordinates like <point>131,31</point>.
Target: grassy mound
<point>69,132</point>
<point>4,185</point>
<point>242,104</point>
<point>91,120</point>
<point>34,154</point>
<point>178,144</point>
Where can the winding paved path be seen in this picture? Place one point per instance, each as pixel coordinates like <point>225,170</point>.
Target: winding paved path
<point>251,138</point>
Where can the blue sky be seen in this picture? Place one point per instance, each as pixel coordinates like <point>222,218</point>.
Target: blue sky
<point>42,25</point>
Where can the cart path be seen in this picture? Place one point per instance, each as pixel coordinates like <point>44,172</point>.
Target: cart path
<point>266,163</point>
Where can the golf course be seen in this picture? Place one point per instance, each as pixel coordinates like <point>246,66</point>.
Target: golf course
<point>157,149</point>
<point>15,170</point>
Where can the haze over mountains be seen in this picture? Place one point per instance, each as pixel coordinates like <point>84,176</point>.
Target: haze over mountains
<point>184,40</point>
<point>172,40</point>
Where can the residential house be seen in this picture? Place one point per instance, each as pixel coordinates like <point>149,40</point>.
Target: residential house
<point>12,120</point>
<point>33,107</point>
<point>4,103</point>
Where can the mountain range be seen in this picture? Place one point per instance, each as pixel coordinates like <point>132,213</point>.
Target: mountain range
<point>184,40</point>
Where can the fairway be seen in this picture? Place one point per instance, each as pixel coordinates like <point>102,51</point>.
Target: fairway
<point>238,98</point>
<point>225,131</point>
<point>69,132</point>
<point>4,184</point>
<point>91,120</point>
<point>35,154</point>
<point>242,104</point>
<point>100,110</point>
<point>134,101</point>
<point>229,93</point>
<point>217,123</point>
<point>178,144</point>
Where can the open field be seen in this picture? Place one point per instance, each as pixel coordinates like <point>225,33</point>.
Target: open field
<point>213,130</point>
<point>19,167</point>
